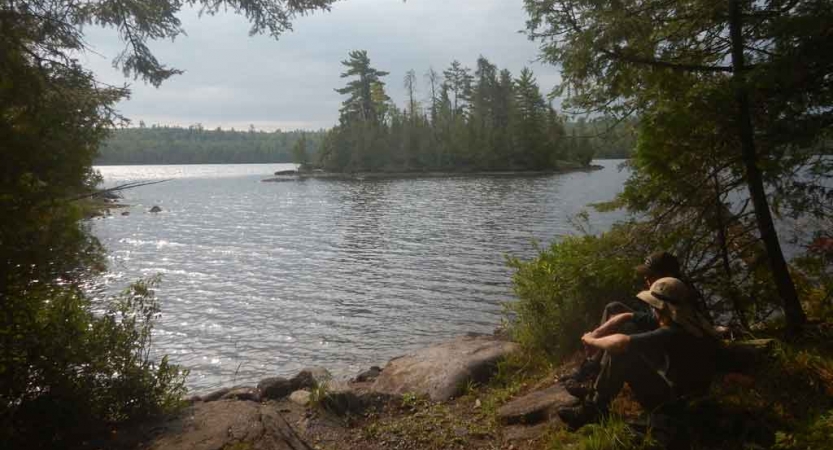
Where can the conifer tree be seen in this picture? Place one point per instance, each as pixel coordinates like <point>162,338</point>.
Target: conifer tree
<point>459,80</point>
<point>299,152</point>
<point>366,99</point>
<point>531,110</point>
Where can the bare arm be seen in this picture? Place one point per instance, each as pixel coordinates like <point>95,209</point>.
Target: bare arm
<point>614,343</point>
<point>610,326</point>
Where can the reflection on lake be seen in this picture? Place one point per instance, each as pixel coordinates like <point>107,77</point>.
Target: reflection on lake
<point>262,279</point>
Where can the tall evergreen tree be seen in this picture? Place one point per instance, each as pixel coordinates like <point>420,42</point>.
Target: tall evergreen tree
<point>531,110</point>
<point>365,92</point>
<point>299,152</point>
<point>482,117</point>
<point>459,80</point>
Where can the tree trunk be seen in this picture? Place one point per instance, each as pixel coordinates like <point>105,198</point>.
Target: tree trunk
<point>780,273</point>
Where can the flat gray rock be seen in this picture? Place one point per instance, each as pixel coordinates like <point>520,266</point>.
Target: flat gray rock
<point>442,370</point>
<point>536,406</point>
<point>225,423</point>
<point>301,398</point>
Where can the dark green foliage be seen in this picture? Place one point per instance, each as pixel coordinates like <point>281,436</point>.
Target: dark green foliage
<point>562,292</point>
<point>716,127</point>
<point>604,138</point>
<point>68,373</point>
<point>485,121</point>
<point>299,152</point>
<point>67,367</point>
<point>196,145</point>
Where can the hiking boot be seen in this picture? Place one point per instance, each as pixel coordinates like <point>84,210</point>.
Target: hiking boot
<point>588,370</point>
<point>577,389</point>
<point>578,416</point>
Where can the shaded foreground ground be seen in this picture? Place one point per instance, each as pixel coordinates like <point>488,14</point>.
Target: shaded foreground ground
<point>769,395</point>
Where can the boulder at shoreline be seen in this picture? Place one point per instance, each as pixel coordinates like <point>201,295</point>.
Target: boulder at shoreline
<point>442,371</point>
<point>224,424</point>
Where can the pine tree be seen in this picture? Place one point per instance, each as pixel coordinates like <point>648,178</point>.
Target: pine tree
<point>299,152</point>
<point>459,80</point>
<point>366,99</point>
<point>531,110</point>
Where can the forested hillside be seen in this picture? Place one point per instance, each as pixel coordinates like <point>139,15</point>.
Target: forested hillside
<point>196,145</point>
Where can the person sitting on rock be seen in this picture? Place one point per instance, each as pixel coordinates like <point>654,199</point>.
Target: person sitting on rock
<point>620,318</point>
<point>663,366</point>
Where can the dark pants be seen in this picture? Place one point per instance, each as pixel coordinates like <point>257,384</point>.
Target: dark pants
<point>648,386</point>
<point>614,309</point>
<point>638,370</point>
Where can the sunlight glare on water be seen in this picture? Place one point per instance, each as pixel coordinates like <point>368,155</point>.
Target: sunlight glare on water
<point>263,279</point>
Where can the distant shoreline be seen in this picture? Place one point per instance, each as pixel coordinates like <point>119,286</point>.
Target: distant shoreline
<point>414,174</point>
<point>107,164</point>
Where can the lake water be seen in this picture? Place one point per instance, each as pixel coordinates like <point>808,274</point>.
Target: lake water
<point>263,279</point>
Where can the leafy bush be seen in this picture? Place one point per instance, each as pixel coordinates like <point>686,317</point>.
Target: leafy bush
<point>562,293</point>
<point>70,373</point>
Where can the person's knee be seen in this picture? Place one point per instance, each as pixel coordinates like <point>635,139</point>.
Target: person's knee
<point>614,308</point>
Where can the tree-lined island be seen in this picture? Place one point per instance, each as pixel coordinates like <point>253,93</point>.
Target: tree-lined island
<point>478,120</point>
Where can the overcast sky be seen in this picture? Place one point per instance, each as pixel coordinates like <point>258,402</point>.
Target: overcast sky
<point>233,80</point>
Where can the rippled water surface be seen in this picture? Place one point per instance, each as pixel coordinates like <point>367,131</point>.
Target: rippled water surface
<point>262,279</point>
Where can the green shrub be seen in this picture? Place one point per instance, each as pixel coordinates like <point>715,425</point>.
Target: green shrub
<point>562,293</point>
<point>70,373</point>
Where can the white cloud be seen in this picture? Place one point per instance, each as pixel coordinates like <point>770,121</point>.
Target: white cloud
<point>232,79</point>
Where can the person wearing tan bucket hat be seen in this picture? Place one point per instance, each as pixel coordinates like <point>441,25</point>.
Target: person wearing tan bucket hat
<point>619,317</point>
<point>672,296</point>
<point>662,366</point>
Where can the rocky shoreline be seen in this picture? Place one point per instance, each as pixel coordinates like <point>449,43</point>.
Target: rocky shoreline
<point>276,413</point>
<point>447,395</point>
<point>438,372</point>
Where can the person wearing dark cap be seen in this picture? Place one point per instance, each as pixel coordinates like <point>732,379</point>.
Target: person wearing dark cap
<point>620,318</point>
<point>673,362</point>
